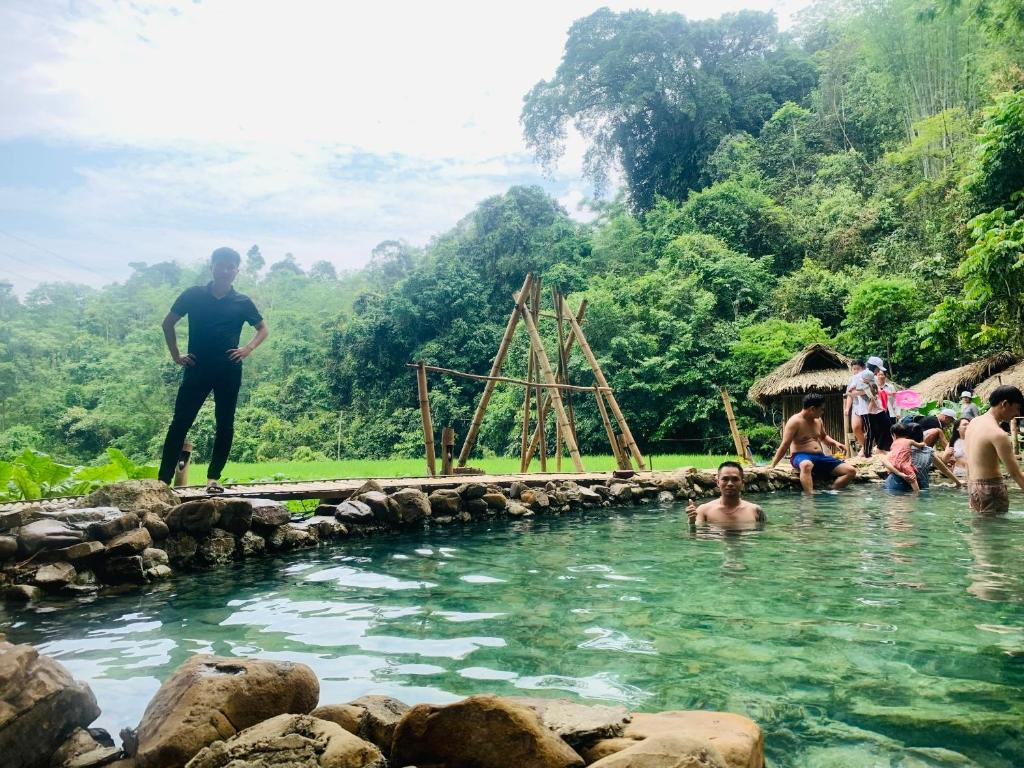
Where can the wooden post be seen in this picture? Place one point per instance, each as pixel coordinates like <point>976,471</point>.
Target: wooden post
<point>737,439</point>
<point>428,425</point>
<point>524,457</point>
<point>601,380</point>
<point>481,408</point>
<point>542,423</point>
<point>621,461</point>
<point>447,450</point>
<point>181,468</point>
<point>549,377</point>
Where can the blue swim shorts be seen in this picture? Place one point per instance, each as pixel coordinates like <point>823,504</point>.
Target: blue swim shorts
<point>823,463</point>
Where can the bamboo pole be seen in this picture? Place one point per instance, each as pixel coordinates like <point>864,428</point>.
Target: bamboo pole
<point>734,429</point>
<point>428,426</point>
<point>524,459</point>
<point>621,461</point>
<point>542,423</point>
<point>602,381</point>
<point>508,380</point>
<point>563,366</point>
<point>556,398</point>
<point>481,408</point>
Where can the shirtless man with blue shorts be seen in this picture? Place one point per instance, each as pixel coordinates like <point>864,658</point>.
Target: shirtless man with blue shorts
<point>805,434</point>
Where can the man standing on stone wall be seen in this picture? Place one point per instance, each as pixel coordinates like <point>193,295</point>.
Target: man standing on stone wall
<point>216,313</point>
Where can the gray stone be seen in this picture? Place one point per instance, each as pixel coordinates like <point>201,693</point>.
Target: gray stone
<point>216,549</point>
<point>158,572</point>
<point>267,514</point>
<point>621,493</point>
<point>250,544</point>
<point>195,517</point>
<point>41,706</point>
<point>445,501</point>
<point>515,509</point>
<point>115,524</point>
<point>137,496</point>
<point>535,499</point>
<point>133,542</point>
<point>589,496</point>
<point>8,547</point>
<point>156,526</point>
<point>181,549</point>
<point>47,534</point>
<point>577,724</point>
<point>409,506</point>
<point>516,489</point>
<point>78,743</point>
<point>22,593</point>
<point>235,515</point>
<point>96,758</point>
<point>666,497</point>
<point>476,507</point>
<point>368,487</point>
<point>124,570</point>
<point>80,518</point>
<point>55,576</point>
<point>377,501</point>
<point>471,490</point>
<point>495,499</point>
<point>151,557</point>
<point>15,518</point>
<point>77,552</point>
<point>354,511</point>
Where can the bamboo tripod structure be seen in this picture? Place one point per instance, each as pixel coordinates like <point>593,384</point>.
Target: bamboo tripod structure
<point>546,389</point>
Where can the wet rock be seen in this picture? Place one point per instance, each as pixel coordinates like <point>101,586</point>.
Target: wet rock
<point>16,518</point>
<point>80,518</point>
<point>515,509</point>
<point>158,572</point>
<point>516,489</point>
<point>216,549</point>
<point>250,544</point>
<point>55,576</point>
<point>495,500</point>
<point>577,724</point>
<point>445,501</point>
<point>471,490</point>
<point>78,743</point>
<point>124,570</point>
<point>195,517</point>
<point>289,537</point>
<point>77,552</point>
<point>603,491</point>
<point>296,741</point>
<point>476,507</point>
<point>535,499</point>
<point>157,528</point>
<point>620,493</point>
<point>181,549</point>
<point>370,486</point>
<point>96,758</point>
<point>478,732</point>
<point>112,526</point>
<point>235,515</point>
<point>588,496</point>
<point>670,484</point>
<point>666,497</point>
<point>22,593</point>
<point>380,717</point>
<point>345,715</point>
<point>354,512</point>
<point>268,514</point>
<point>409,506</point>
<point>137,496</point>
<point>133,542</point>
<point>8,547</point>
<point>377,501</point>
<point>40,706</point>
<point>666,751</point>
<point>152,557</point>
<point>47,534</point>
<point>209,699</point>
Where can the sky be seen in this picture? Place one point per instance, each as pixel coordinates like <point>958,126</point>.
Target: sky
<point>155,131</point>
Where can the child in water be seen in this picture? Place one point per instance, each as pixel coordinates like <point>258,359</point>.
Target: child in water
<point>899,459</point>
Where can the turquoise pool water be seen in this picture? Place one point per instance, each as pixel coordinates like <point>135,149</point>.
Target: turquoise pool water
<point>864,629</point>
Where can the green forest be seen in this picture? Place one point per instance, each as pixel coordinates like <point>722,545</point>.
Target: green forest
<point>857,180</point>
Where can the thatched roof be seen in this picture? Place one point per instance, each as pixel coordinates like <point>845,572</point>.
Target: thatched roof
<point>816,368</point>
<point>1013,375</point>
<point>947,385</point>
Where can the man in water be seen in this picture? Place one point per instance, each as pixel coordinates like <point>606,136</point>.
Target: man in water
<point>729,510</point>
<point>805,434</point>
<point>216,313</point>
<point>987,445</point>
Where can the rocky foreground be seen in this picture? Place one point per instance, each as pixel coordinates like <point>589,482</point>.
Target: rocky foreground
<point>136,532</point>
<point>237,713</point>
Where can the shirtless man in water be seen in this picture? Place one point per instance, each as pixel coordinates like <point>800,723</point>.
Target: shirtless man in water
<point>987,445</point>
<point>729,510</point>
<point>805,434</point>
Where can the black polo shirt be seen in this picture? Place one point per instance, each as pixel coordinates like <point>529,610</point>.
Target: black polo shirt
<point>214,325</point>
<point>930,422</point>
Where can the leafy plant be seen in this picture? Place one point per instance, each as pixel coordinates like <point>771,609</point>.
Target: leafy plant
<point>35,475</point>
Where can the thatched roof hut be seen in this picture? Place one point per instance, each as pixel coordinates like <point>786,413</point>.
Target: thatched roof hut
<point>816,368</point>
<point>947,385</point>
<point>1013,375</point>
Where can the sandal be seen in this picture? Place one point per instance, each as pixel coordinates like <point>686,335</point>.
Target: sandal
<point>214,487</point>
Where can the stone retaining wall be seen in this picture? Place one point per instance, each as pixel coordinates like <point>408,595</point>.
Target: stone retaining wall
<point>136,532</point>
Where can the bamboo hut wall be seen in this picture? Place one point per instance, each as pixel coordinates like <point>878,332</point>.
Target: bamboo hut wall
<point>833,411</point>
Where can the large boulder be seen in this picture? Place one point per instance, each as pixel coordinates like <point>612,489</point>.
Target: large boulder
<point>235,515</point>
<point>196,517</point>
<point>380,717</point>
<point>348,716</point>
<point>40,706</point>
<point>124,570</point>
<point>137,496</point>
<point>353,511</point>
<point>377,501</point>
<point>445,501</point>
<point>738,739</point>
<point>113,524</point>
<point>478,732</point>
<point>666,751</point>
<point>217,548</point>
<point>47,534</point>
<point>209,699</point>
<point>268,514</point>
<point>181,549</point>
<point>133,542</point>
<point>408,506</point>
<point>76,552</point>
<point>292,741</point>
<point>55,576</point>
<point>577,724</point>
<point>8,547</point>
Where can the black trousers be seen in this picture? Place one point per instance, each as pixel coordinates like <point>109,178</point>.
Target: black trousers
<point>877,432</point>
<point>197,383</point>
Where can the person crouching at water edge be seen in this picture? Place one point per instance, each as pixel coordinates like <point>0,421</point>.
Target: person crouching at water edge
<point>987,445</point>
<point>729,510</point>
<point>805,434</point>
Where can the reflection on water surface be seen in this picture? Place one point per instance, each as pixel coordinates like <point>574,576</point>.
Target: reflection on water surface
<point>860,629</point>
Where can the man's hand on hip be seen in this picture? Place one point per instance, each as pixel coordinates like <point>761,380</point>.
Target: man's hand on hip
<point>185,361</point>
<point>239,354</point>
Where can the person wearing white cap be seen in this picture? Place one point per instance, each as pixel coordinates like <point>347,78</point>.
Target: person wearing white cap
<point>935,426</point>
<point>968,410</point>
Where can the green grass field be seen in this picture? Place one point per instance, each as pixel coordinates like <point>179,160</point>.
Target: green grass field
<point>330,470</point>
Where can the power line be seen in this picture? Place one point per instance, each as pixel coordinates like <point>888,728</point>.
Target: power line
<point>66,260</point>
<point>31,264</point>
